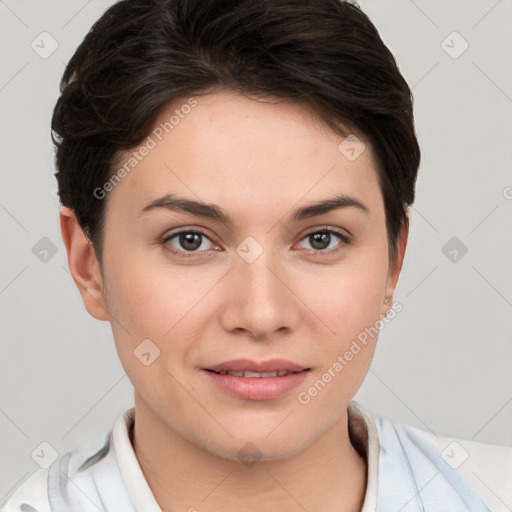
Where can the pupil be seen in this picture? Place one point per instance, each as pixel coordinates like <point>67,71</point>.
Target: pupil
<point>190,241</point>
<point>320,240</point>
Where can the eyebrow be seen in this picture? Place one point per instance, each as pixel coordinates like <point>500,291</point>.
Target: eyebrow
<point>173,202</point>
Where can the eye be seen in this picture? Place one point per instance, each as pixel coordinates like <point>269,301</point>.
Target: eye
<point>188,241</point>
<point>321,240</point>
<point>196,242</point>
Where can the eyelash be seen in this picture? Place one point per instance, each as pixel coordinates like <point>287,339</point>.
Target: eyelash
<point>327,252</point>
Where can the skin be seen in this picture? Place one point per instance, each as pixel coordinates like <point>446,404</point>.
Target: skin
<point>258,161</point>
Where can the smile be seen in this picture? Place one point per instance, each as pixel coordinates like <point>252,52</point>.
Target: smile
<point>251,375</point>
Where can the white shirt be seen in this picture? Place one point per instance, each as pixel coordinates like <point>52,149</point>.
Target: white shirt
<point>409,470</point>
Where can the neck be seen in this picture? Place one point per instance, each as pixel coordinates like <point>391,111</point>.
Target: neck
<point>329,475</point>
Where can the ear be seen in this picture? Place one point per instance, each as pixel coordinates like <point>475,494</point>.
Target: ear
<point>83,265</point>
<point>395,267</point>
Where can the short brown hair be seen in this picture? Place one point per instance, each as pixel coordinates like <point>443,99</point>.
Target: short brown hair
<point>142,54</point>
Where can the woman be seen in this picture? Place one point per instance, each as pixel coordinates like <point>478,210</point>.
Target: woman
<point>235,180</point>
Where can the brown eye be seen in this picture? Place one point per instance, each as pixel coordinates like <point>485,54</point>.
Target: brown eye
<point>324,240</point>
<point>188,241</point>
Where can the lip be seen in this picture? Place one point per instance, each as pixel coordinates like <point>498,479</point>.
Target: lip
<point>257,388</point>
<point>271,365</point>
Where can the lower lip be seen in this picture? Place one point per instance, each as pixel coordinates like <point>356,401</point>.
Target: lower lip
<point>257,388</point>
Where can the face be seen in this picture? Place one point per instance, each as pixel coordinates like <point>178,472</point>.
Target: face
<point>257,274</point>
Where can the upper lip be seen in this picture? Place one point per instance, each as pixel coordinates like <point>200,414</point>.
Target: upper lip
<point>272,365</point>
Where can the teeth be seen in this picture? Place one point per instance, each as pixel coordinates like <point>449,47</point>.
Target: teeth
<point>252,375</point>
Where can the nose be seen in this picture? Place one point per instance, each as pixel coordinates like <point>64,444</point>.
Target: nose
<point>259,298</point>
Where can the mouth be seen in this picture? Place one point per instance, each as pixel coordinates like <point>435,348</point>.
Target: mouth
<point>250,368</point>
<point>252,380</point>
<point>256,375</point>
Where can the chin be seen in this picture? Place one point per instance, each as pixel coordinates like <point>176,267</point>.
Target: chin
<point>254,448</point>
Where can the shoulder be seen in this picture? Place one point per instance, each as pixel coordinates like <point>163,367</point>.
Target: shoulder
<point>30,496</point>
<point>466,470</point>
<point>88,474</point>
<point>486,467</point>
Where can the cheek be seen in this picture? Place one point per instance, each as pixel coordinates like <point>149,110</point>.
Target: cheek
<point>347,298</point>
<point>351,309</point>
<point>153,299</point>
<point>141,291</point>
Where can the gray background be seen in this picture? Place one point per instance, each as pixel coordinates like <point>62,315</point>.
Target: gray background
<point>443,364</point>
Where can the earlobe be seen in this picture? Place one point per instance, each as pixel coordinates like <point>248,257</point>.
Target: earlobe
<point>83,265</point>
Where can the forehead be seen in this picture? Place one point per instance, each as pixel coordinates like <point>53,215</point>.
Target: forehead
<point>229,149</point>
